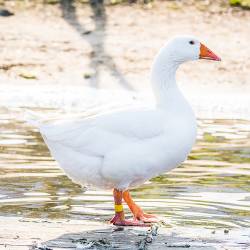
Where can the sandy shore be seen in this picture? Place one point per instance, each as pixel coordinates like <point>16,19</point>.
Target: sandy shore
<point>66,45</point>
<point>59,50</point>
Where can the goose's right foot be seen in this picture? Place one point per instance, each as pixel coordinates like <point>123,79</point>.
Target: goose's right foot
<point>137,211</point>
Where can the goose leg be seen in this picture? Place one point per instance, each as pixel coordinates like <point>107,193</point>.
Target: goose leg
<point>137,211</point>
<point>119,218</point>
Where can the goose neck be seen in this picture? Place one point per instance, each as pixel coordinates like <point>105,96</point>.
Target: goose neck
<point>163,78</point>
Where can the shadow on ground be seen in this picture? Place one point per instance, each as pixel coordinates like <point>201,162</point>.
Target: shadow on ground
<point>99,56</point>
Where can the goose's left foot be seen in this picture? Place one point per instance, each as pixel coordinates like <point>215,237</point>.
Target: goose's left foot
<point>119,218</point>
<point>137,211</point>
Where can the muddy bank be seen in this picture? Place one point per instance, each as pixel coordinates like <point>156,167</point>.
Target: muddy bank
<point>21,233</point>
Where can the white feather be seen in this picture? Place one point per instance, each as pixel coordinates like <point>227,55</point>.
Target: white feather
<point>123,149</point>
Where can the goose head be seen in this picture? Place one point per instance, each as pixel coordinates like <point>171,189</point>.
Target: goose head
<point>187,48</point>
<point>175,52</point>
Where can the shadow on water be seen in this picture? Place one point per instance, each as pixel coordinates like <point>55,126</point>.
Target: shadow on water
<point>99,57</point>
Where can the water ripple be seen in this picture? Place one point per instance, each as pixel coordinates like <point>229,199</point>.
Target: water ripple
<point>211,189</point>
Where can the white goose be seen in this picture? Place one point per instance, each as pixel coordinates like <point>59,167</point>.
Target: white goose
<point>121,150</point>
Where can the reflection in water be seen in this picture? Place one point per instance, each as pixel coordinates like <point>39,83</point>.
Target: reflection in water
<point>211,189</point>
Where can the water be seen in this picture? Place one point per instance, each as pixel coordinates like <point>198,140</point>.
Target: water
<point>211,189</point>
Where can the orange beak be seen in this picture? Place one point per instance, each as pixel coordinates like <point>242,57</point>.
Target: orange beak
<point>207,54</point>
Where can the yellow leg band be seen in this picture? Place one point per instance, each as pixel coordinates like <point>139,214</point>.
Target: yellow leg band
<point>118,208</point>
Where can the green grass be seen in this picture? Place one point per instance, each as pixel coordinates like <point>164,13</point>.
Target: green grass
<point>242,3</point>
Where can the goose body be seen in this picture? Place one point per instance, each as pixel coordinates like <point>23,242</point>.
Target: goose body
<point>123,149</point>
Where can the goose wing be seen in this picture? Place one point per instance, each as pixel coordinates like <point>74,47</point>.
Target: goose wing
<point>101,134</point>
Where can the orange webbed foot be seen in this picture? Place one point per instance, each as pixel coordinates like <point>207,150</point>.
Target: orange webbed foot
<point>119,218</point>
<point>147,218</point>
<point>118,221</point>
<point>137,211</point>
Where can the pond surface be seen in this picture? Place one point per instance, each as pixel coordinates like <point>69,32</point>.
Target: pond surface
<point>211,189</point>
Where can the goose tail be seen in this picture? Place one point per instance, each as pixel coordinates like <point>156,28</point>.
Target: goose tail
<point>34,118</point>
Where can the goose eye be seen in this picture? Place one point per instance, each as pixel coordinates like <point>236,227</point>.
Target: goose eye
<point>191,42</point>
